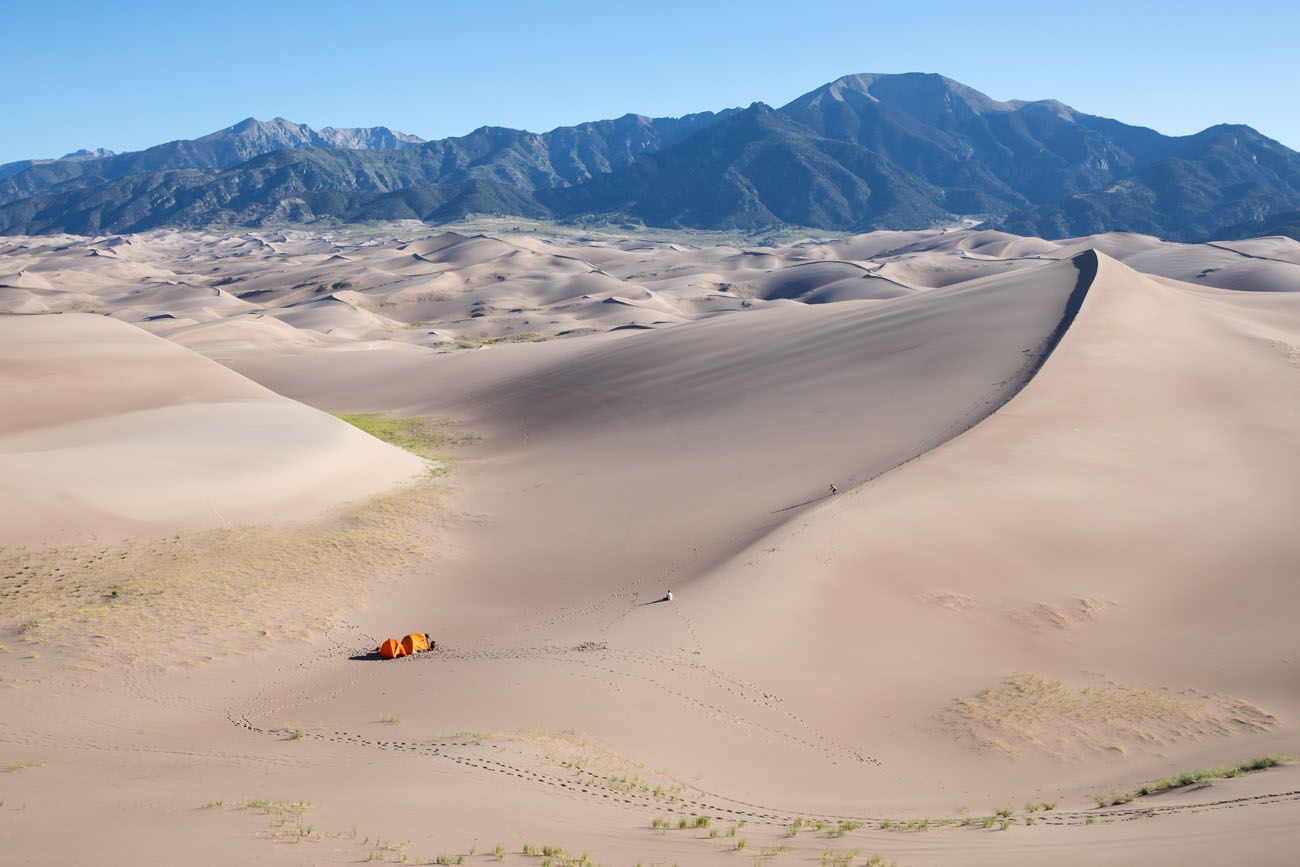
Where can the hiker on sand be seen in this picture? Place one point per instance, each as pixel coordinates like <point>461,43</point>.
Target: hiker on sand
<point>669,596</point>
<point>834,490</point>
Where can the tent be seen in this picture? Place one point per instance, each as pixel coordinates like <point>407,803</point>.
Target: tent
<point>415,642</point>
<point>392,648</point>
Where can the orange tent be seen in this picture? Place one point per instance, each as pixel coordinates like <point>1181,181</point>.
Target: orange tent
<point>392,648</point>
<point>415,642</point>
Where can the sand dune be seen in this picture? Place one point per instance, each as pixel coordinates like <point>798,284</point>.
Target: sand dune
<point>1059,555</point>
<point>454,291</point>
<point>1060,563</point>
<point>827,388</point>
<point>112,431</point>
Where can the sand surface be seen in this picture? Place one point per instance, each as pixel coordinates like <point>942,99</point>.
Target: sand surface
<point>1061,562</point>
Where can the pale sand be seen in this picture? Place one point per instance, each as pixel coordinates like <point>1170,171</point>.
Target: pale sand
<point>113,431</point>
<point>1061,562</point>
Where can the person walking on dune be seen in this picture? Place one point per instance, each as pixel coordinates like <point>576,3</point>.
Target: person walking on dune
<point>834,490</point>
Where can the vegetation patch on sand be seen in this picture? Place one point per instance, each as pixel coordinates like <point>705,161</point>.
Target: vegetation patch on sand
<point>427,436</point>
<point>15,767</point>
<point>233,587</point>
<point>521,337</point>
<point>1204,776</point>
<point>1028,712</point>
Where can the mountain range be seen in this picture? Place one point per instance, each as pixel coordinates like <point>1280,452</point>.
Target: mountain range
<point>860,153</point>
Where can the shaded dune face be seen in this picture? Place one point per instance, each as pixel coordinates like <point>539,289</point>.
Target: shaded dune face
<point>736,424</point>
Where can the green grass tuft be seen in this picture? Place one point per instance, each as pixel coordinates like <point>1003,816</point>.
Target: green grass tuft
<point>1203,776</point>
<point>421,435</point>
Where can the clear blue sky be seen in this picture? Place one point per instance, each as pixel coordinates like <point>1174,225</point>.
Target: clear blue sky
<point>125,75</point>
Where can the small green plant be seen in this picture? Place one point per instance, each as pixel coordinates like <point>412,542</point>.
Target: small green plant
<point>15,767</point>
<point>1004,824</point>
<point>500,853</point>
<point>701,821</point>
<point>1091,820</point>
<point>392,719</point>
<point>659,824</point>
<point>1003,812</point>
<point>740,844</point>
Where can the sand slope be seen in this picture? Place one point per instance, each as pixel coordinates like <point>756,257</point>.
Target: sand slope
<point>109,429</point>
<point>745,420</point>
<point>1104,527</point>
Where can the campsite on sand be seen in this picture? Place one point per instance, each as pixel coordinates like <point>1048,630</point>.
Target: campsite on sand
<point>1046,613</point>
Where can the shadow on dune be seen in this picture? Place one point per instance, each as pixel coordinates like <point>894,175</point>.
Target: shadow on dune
<point>801,505</point>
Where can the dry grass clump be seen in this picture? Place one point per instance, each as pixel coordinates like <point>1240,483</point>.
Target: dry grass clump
<point>15,767</point>
<point>1032,712</point>
<point>521,337</point>
<point>285,822</point>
